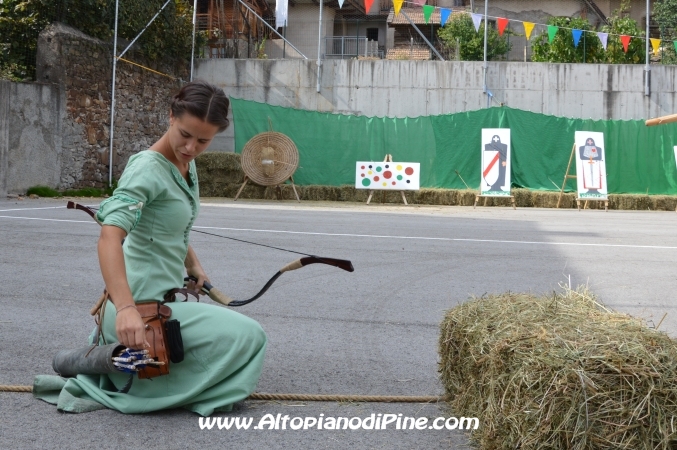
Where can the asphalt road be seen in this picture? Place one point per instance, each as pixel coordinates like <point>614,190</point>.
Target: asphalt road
<point>373,331</point>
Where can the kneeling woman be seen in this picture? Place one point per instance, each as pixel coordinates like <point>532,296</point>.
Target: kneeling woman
<point>153,210</point>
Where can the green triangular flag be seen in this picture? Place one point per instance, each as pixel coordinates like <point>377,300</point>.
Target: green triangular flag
<point>427,12</point>
<point>552,31</point>
<point>675,42</point>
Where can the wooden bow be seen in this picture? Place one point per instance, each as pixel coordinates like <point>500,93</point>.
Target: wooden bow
<point>216,294</point>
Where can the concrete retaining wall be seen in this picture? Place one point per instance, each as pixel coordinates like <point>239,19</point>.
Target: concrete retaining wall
<point>31,116</point>
<point>415,88</point>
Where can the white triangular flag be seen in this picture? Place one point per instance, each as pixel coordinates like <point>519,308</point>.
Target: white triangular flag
<point>477,20</point>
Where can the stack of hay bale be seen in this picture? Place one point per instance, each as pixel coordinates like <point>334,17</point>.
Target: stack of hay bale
<point>559,372</point>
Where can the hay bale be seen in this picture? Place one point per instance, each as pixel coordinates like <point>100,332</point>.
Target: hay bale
<point>559,372</point>
<point>219,167</point>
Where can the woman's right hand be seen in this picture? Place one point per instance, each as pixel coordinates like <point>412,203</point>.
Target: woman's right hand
<point>129,326</point>
<point>130,329</point>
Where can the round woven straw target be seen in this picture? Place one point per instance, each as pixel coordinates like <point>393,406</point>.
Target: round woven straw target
<point>269,158</point>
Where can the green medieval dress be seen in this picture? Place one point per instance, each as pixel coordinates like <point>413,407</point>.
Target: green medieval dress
<point>224,350</point>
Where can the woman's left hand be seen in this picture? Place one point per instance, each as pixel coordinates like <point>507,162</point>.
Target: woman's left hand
<point>194,269</point>
<point>201,276</point>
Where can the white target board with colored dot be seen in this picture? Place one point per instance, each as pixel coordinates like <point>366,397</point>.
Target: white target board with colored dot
<point>395,176</point>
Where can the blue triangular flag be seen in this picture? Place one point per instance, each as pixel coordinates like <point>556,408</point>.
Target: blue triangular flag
<point>577,36</point>
<point>444,15</point>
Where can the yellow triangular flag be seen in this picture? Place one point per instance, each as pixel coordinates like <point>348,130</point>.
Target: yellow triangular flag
<point>528,28</point>
<point>656,44</point>
<point>397,4</point>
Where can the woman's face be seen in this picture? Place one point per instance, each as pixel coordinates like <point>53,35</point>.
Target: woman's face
<point>189,136</point>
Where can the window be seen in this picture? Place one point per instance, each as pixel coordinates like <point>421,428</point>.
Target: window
<point>372,34</point>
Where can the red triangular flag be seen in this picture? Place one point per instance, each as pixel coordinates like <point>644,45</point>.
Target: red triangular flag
<point>502,23</point>
<point>625,39</point>
<point>367,5</point>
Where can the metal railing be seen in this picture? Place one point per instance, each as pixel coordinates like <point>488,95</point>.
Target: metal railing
<point>342,47</point>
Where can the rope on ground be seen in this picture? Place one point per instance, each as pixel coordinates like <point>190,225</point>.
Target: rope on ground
<point>345,398</point>
<point>16,388</point>
<point>300,397</point>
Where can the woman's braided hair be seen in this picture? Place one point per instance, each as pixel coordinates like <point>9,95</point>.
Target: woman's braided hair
<point>204,101</point>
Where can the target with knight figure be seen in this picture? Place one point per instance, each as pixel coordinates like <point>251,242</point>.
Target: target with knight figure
<point>591,165</point>
<point>495,176</point>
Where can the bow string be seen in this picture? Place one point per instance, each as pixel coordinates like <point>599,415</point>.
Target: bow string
<point>216,294</point>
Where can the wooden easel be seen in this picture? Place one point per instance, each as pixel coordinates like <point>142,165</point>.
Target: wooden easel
<point>388,158</point>
<point>479,194</point>
<point>278,190</point>
<point>578,199</point>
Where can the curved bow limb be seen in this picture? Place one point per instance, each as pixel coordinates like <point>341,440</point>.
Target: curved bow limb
<point>87,209</point>
<point>219,297</point>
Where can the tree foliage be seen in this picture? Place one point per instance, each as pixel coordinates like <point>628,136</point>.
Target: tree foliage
<point>621,23</point>
<point>562,48</point>
<point>665,15</point>
<point>169,37</point>
<point>471,42</point>
<point>590,49</point>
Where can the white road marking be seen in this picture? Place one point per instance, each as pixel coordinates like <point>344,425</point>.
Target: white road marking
<point>383,236</point>
<point>33,209</point>
<point>48,220</point>
<point>424,238</point>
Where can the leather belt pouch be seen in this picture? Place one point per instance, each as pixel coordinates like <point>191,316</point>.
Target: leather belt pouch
<point>155,315</point>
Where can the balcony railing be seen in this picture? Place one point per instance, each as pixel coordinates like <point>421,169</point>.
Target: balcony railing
<point>341,47</point>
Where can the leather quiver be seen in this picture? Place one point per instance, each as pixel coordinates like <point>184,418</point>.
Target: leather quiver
<point>155,315</point>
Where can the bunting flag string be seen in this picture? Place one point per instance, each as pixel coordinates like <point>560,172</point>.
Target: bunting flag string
<point>502,23</point>
<point>427,12</point>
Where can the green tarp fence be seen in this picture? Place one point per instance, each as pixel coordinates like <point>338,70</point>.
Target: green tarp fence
<point>639,159</point>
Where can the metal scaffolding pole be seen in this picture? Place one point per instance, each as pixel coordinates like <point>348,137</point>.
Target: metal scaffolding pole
<point>486,66</point>
<point>319,50</point>
<point>192,50</point>
<point>647,69</point>
<point>112,96</point>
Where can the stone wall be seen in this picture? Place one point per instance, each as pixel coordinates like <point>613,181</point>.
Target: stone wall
<point>82,67</point>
